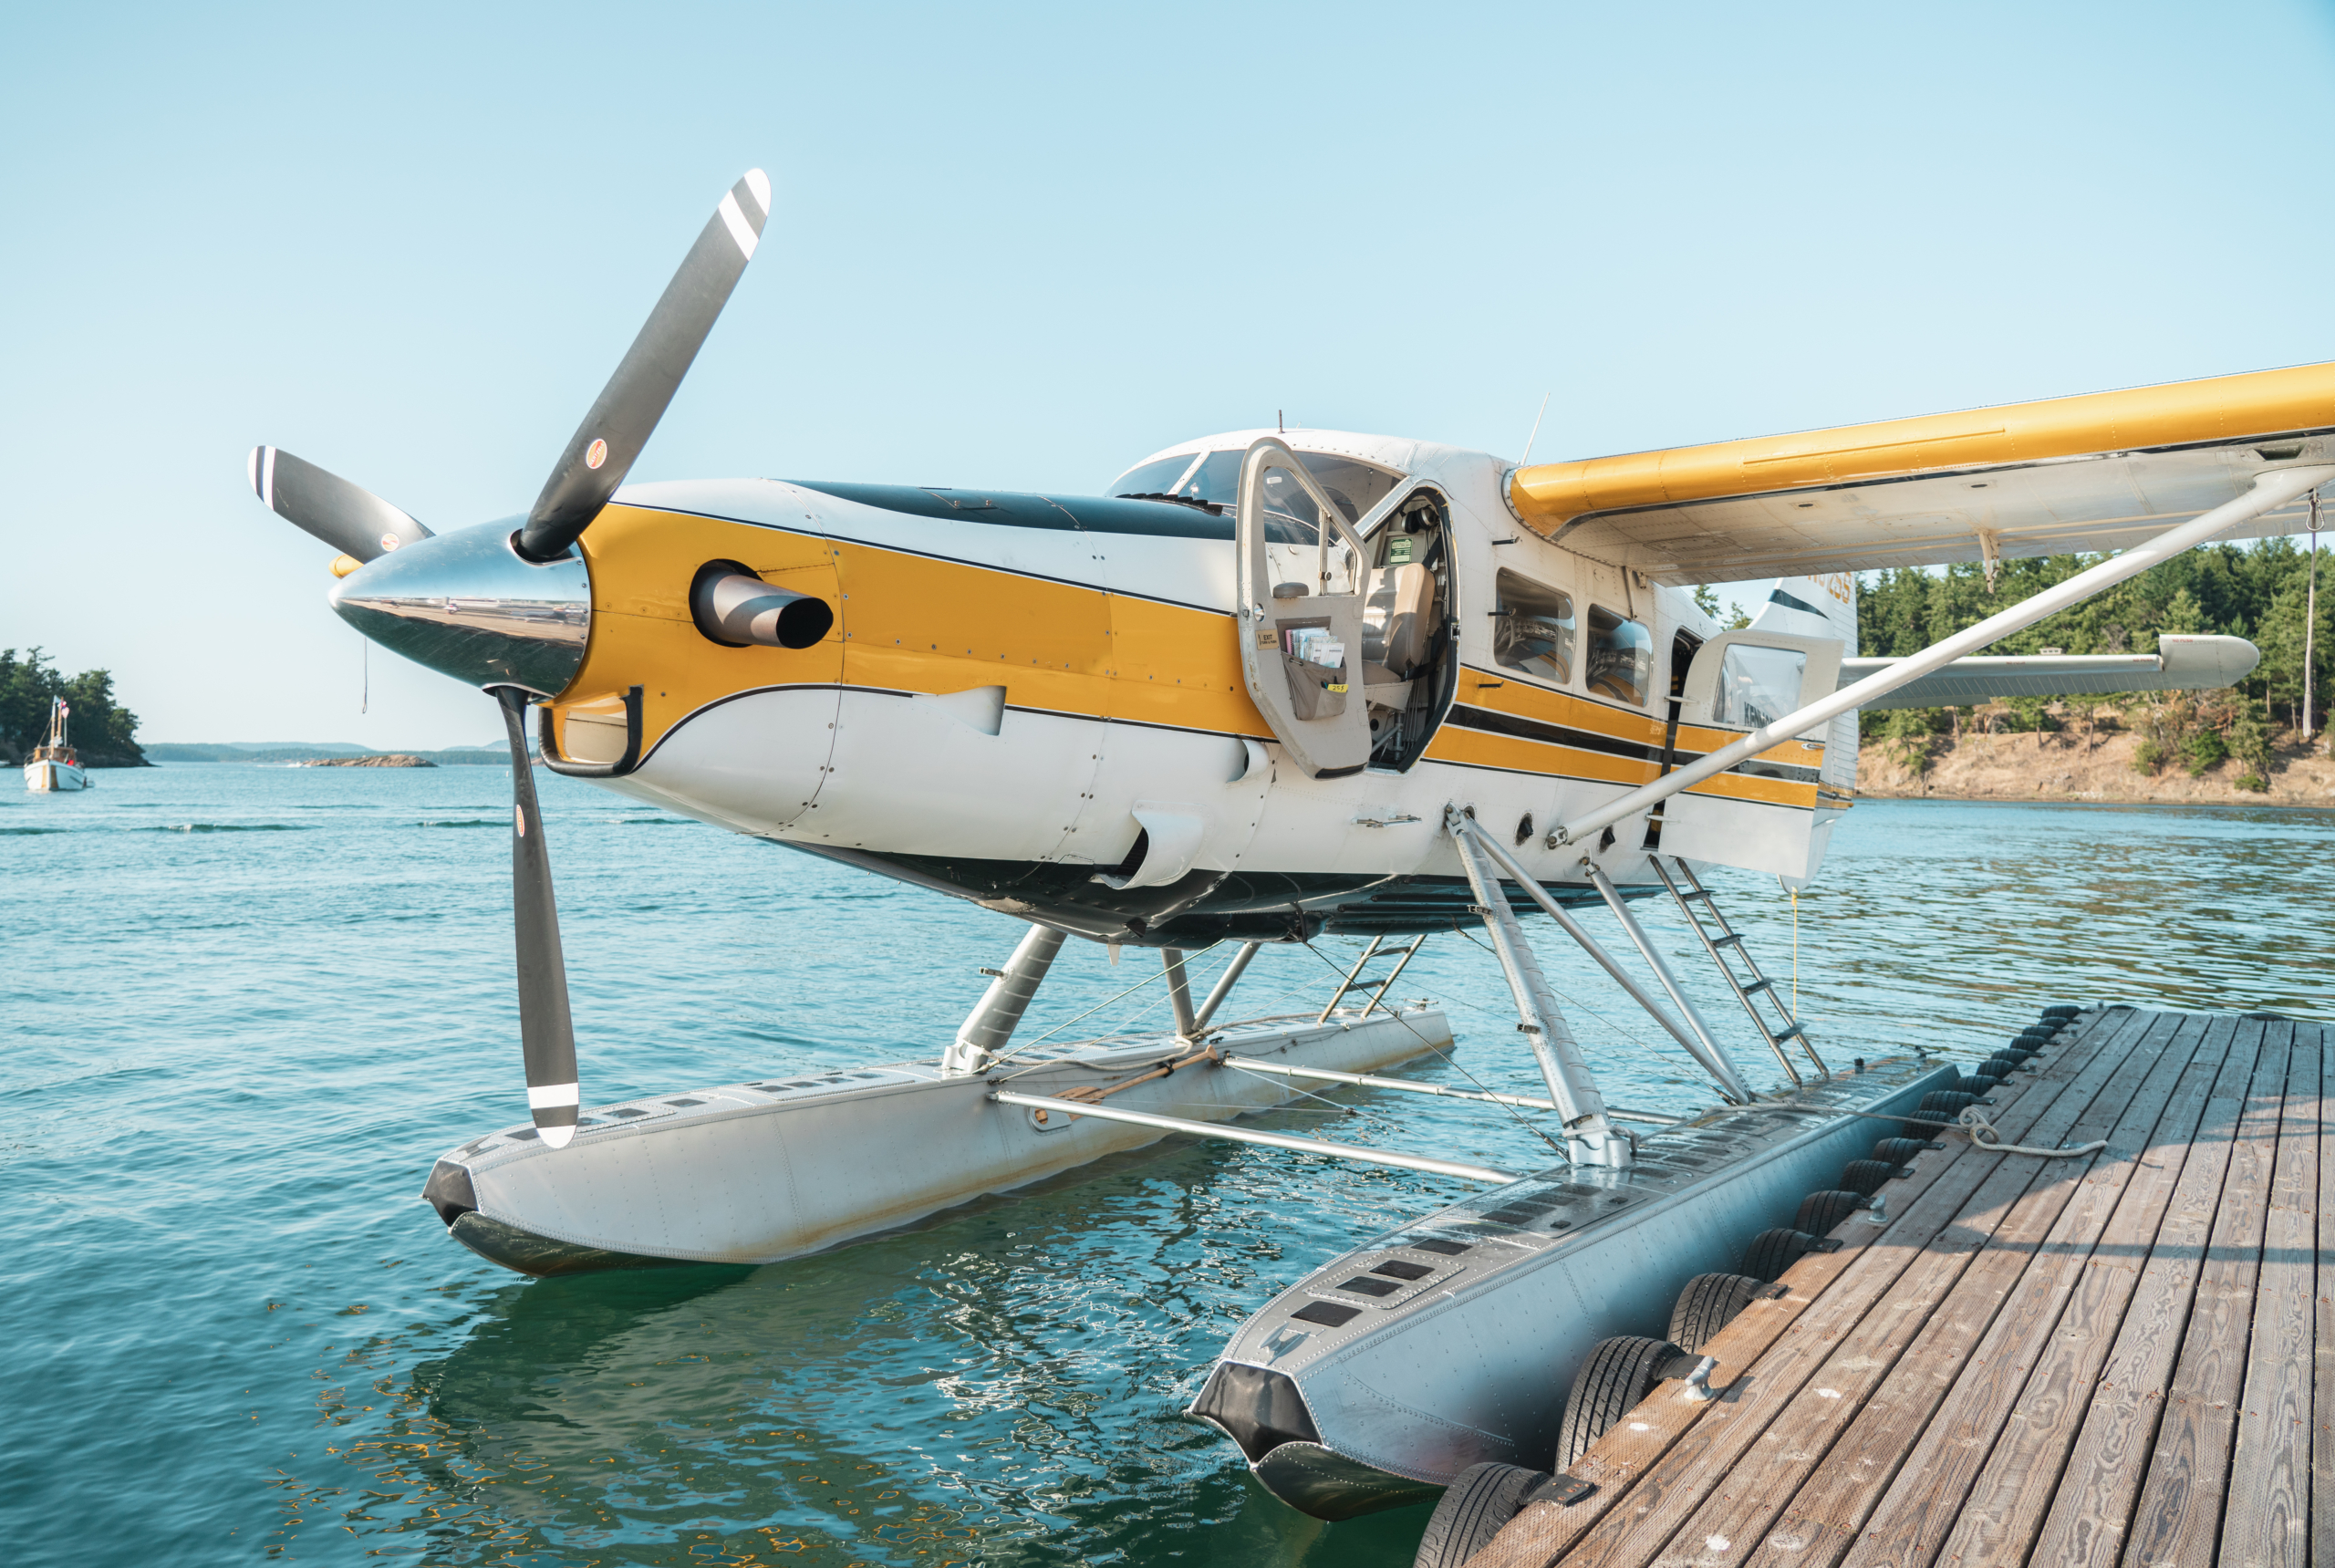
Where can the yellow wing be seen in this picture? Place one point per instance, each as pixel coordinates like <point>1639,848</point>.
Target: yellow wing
<point>2096,472</point>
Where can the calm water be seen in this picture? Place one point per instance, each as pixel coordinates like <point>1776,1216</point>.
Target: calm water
<point>245,1008</point>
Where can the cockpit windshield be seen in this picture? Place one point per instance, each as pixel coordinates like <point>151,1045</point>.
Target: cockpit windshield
<point>1213,479</point>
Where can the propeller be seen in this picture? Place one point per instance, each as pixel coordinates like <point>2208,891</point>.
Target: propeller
<point>359,523</point>
<point>351,519</point>
<point>546,1031</point>
<point>601,451</point>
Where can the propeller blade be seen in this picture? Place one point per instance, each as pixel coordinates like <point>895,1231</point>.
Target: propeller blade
<point>546,1033</point>
<point>602,450</point>
<point>353,521</point>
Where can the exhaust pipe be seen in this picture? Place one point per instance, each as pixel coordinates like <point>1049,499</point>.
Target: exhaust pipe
<point>737,609</point>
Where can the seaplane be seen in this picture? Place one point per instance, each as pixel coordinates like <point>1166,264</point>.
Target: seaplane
<point>1272,685</point>
<point>53,765</point>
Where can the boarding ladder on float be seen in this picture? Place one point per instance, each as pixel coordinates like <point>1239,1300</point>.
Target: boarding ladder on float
<point>1694,900</point>
<point>1356,981</point>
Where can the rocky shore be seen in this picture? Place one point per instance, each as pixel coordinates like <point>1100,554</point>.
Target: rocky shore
<point>2067,765</point>
<point>391,759</point>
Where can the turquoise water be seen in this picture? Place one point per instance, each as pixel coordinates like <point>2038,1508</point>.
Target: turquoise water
<point>246,1008</point>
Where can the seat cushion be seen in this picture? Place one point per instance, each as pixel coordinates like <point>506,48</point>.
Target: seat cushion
<point>1399,620</point>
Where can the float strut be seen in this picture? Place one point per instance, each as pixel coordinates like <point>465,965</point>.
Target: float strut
<point>1590,1136</point>
<point>1179,993</point>
<point>993,1020</point>
<point>1051,1106</point>
<point>1713,1054</point>
<point>1224,984</point>
<point>1704,1049</point>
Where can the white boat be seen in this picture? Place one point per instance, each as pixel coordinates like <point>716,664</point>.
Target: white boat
<point>54,764</point>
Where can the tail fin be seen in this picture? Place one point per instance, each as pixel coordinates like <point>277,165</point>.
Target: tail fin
<point>1813,607</point>
<point>1821,606</point>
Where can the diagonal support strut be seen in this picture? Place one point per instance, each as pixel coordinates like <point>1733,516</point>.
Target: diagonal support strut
<point>1589,1134</point>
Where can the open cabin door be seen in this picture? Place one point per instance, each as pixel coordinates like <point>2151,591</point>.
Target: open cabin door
<point>1300,618</point>
<point>1761,815</point>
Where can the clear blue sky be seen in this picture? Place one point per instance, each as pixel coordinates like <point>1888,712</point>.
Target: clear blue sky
<point>1024,247</point>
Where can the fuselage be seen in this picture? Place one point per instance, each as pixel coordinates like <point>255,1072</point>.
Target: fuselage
<point>1038,701</point>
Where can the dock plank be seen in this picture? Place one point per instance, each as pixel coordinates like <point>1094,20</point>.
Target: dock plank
<point>1898,1482</point>
<point>2322,1412</point>
<point>2139,1268</point>
<point>1624,1454</point>
<point>1623,1458</point>
<point>1641,1524</point>
<point>1834,1446</point>
<point>2268,1521</point>
<point>2178,1519</point>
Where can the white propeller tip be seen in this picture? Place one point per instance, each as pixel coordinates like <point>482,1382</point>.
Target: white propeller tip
<point>557,1137</point>
<point>758,183</point>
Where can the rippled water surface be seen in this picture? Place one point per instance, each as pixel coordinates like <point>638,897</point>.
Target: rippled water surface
<point>245,1009</point>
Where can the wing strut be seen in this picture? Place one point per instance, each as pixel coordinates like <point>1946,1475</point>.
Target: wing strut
<point>2270,491</point>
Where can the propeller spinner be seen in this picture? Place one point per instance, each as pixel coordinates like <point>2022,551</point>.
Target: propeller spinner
<point>509,662</point>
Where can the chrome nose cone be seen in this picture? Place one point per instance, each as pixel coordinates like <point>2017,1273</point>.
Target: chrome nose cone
<point>465,605</point>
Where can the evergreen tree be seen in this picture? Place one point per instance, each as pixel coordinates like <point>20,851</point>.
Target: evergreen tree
<point>104,734</point>
<point>2232,589</point>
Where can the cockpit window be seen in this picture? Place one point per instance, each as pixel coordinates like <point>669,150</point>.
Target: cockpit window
<point>1215,478</point>
<point>1162,478</point>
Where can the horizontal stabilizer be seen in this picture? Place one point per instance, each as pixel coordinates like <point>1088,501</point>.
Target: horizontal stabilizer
<point>2180,664</point>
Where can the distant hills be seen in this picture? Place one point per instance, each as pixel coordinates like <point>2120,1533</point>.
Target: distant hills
<point>168,752</point>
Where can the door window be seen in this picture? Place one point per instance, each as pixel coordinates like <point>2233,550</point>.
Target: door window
<point>1621,657</point>
<point>1757,686</point>
<point>1534,629</point>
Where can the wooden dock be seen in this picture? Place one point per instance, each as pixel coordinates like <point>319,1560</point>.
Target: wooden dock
<point>2124,1358</point>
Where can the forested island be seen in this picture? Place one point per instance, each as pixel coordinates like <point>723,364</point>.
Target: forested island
<point>104,733</point>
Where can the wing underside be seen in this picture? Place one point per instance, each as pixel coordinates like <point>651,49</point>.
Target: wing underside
<point>2099,472</point>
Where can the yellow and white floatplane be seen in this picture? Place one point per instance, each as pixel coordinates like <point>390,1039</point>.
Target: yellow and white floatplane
<point>1273,685</point>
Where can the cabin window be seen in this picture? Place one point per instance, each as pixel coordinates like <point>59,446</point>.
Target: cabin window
<point>1534,628</point>
<point>1621,657</point>
<point>1757,685</point>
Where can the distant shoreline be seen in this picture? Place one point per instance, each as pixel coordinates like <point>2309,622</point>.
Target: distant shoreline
<point>339,754</point>
<point>378,759</point>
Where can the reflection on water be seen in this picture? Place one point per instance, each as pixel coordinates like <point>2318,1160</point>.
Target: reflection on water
<point>233,1055</point>
<point>1005,1387</point>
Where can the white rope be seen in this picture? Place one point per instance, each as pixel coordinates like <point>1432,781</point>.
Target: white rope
<point>1983,1134</point>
